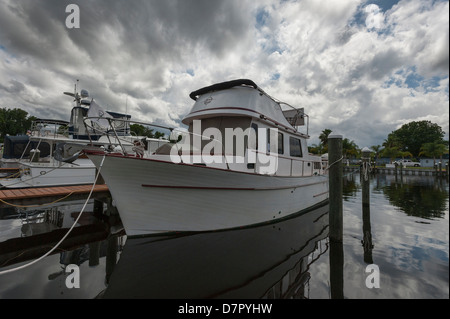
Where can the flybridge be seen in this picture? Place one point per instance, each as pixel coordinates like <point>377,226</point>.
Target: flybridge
<point>244,98</point>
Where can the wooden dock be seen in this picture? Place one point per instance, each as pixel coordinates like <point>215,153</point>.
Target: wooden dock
<point>40,194</point>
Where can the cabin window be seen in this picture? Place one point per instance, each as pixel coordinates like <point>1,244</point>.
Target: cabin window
<point>280,143</point>
<point>253,138</point>
<point>225,133</point>
<point>295,147</point>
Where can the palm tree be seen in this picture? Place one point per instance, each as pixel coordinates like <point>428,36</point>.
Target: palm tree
<point>391,152</point>
<point>324,137</point>
<point>349,148</point>
<point>316,149</point>
<point>433,149</point>
<point>405,154</point>
<point>377,150</point>
<point>391,142</point>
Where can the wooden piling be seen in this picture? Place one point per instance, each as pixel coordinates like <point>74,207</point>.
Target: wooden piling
<point>98,207</point>
<point>365,182</point>
<point>336,269</point>
<point>335,187</point>
<point>94,254</point>
<point>365,178</point>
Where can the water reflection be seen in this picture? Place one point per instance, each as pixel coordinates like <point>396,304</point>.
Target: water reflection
<point>350,186</point>
<point>411,253</point>
<point>289,259</point>
<point>415,195</point>
<point>270,261</point>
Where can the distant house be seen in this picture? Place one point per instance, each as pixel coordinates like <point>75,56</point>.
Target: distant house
<point>428,162</point>
<point>424,161</point>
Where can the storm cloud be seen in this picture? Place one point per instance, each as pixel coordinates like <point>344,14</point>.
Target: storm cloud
<point>360,68</point>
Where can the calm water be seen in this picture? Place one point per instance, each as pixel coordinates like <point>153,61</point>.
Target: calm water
<point>404,232</point>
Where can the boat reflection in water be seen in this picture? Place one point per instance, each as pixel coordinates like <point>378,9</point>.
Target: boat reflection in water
<point>269,261</point>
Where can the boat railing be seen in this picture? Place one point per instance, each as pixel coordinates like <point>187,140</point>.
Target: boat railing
<point>49,129</point>
<point>175,135</point>
<point>295,116</point>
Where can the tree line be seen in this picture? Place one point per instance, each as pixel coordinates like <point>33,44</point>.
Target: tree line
<point>18,122</point>
<point>414,139</point>
<point>14,122</point>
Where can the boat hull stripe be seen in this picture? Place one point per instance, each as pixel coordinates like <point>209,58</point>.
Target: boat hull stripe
<point>234,188</point>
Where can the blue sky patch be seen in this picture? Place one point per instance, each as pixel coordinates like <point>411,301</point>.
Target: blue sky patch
<point>190,72</point>
<point>262,16</point>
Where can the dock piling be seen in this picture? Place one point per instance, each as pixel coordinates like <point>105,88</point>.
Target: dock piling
<point>365,181</point>
<point>335,187</point>
<point>335,216</point>
<point>446,170</point>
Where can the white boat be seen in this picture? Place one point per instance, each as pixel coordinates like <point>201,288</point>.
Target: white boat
<point>203,183</point>
<point>270,261</point>
<point>62,143</point>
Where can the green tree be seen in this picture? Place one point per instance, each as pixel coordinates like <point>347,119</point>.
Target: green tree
<point>411,136</point>
<point>158,134</point>
<point>14,121</point>
<point>377,149</point>
<point>349,148</point>
<point>391,141</point>
<point>316,149</point>
<point>433,149</point>
<point>323,137</point>
<point>391,152</point>
<point>141,130</point>
<point>404,154</point>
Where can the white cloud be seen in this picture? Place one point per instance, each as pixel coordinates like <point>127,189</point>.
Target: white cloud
<point>360,79</point>
<point>375,17</point>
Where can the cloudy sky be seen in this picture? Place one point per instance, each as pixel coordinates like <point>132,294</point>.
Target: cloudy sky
<point>361,68</point>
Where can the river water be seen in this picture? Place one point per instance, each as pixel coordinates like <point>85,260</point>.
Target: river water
<point>397,247</point>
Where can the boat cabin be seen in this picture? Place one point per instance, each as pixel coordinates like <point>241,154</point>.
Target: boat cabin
<point>235,125</point>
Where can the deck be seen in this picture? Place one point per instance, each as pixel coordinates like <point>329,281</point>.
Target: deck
<point>46,194</point>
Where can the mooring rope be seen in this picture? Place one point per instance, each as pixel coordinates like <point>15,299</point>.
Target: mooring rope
<point>366,168</point>
<point>14,175</point>
<point>67,234</point>
<point>337,161</point>
<point>31,178</point>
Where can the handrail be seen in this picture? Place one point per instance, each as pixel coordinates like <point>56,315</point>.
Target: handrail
<point>171,129</point>
<point>110,130</point>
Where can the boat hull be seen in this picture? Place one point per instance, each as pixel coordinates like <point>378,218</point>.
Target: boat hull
<point>155,196</point>
<point>81,172</point>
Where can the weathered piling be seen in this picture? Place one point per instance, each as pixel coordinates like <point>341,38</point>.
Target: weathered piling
<point>365,179</point>
<point>111,256</point>
<point>98,207</point>
<point>335,187</point>
<point>446,170</point>
<point>336,270</point>
<point>94,254</point>
<point>335,216</point>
